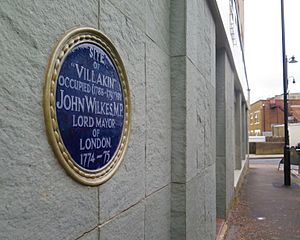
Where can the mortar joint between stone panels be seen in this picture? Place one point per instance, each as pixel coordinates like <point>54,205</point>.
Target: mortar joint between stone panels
<point>178,56</point>
<point>86,232</point>
<point>99,237</point>
<point>180,183</point>
<point>98,195</point>
<point>185,24</point>
<point>146,114</point>
<point>127,17</point>
<point>145,222</point>
<point>157,190</point>
<point>120,213</point>
<point>192,62</point>
<point>99,11</point>
<point>162,49</point>
<point>199,174</point>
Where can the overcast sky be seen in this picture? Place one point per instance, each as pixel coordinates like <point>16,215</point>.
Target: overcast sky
<point>263,46</point>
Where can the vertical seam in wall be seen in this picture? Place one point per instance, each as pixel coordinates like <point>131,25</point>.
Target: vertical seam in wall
<point>144,220</point>
<point>145,72</point>
<point>98,191</point>
<point>185,27</point>
<point>99,14</point>
<point>145,182</point>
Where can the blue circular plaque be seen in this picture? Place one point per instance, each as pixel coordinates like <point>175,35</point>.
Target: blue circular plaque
<point>87,105</point>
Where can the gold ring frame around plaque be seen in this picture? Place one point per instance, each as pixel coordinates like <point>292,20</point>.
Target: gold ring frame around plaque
<point>72,38</point>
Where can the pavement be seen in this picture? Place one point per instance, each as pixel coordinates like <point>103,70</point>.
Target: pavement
<point>265,209</point>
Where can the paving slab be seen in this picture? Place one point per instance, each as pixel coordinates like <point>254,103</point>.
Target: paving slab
<point>266,209</point>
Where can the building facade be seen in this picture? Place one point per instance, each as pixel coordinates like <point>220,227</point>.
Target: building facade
<point>187,148</point>
<point>266,113</point>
